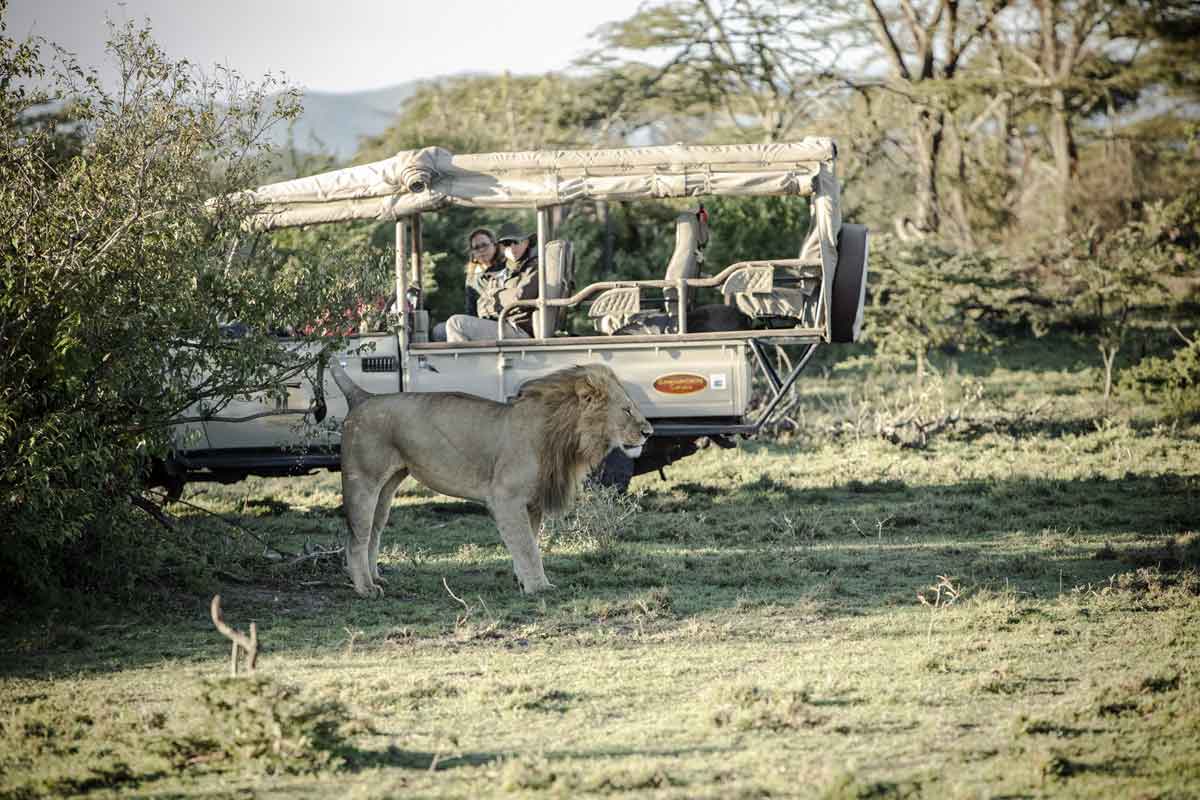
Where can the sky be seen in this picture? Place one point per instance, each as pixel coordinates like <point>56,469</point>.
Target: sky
<point>344,46</point>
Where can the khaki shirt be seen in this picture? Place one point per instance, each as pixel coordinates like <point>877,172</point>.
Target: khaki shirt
<point>501,286</point>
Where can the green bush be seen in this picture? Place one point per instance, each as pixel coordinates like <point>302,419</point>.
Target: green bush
<point>1173,381</point>
<point>255,724</point>
<point>923,296</point>
<point>116,284</point>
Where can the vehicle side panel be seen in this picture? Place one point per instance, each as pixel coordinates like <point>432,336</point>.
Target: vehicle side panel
<point>704,379</point>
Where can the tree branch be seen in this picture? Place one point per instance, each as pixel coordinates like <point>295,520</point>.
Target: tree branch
<point>884,35</point>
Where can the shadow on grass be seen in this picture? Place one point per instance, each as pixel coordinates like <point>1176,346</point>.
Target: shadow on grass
<point>696,550</point>
<point>358,760</point>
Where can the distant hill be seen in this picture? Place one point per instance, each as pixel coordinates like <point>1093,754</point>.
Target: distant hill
<point>334,123</point>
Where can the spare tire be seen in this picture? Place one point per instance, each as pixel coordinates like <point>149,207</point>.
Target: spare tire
<point>849,285</point>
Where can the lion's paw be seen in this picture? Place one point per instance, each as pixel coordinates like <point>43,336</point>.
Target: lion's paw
<point>369,591</point>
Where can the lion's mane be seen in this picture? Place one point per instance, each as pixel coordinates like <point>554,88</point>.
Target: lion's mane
<point>574,436</point>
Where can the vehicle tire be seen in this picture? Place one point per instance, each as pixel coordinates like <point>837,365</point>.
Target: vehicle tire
<point>849,285</point>
<point>615,471</point>
<point>168,476</point>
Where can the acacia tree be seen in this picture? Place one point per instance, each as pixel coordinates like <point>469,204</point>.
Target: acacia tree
<point>478,113</point>
<point>925,48</point>
<point>1108,277</point>
<point>117,282</point>
<point>1062,72</point>
<point>923,297</point>
<point>763,67</point>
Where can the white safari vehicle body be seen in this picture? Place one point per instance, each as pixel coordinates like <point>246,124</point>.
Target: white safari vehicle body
<point>691,377</point>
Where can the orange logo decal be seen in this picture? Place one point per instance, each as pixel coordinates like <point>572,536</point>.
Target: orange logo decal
<point>680,383</point>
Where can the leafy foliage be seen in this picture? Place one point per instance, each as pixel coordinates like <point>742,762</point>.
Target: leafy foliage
<point>255,722</point>
<point>119,285</point>
<point>1174,381</point>
<point>922,297</point>
<point>747,67</point>
<point>481,113</point>
<point>1105,282</point>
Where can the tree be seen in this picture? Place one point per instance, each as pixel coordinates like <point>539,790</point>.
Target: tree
<point>925,49</point>
<point>1064,73</point>
<point>760,66</point>
<point>923,297</point>
<point>1107,278</point>
<point>482,113</point>
<point>117,284</point>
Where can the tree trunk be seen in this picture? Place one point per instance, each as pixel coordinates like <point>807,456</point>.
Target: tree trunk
<point>1109,354</point>
<point>927,141</point>
<point>1062,143</point>
<point>958,204</point>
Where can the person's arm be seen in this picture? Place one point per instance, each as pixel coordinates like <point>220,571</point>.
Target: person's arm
<point>522,286</point>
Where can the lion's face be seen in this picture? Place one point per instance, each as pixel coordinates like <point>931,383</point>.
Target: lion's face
<point>584,413</point>
<point>626,427</point>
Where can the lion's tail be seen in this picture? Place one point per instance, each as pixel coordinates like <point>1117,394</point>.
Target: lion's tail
<point>354,393</point>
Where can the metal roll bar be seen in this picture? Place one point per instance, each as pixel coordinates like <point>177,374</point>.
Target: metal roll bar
<point>679,284</point>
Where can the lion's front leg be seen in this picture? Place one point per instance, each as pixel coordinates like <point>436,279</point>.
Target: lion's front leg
<point>519,537</point>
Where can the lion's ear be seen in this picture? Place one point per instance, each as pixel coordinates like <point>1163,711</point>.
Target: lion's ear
<point>586,392</point>
<point>589,390</point>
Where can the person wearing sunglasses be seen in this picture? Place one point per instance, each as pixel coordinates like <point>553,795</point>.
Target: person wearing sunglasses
<point>482,255</point>
<point>513,277</point>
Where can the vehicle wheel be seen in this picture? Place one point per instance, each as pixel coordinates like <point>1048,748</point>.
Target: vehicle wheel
<point>168,476</point>
<point>849,285</point>
<point>616,471</point>
<point>174,486</point>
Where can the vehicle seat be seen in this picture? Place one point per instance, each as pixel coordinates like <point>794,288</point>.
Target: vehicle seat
<point>769,292</point>
<point>691,237</point>
<point>560,276</point>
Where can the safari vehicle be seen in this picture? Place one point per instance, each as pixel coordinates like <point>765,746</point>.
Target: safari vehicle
<point>688,366</point>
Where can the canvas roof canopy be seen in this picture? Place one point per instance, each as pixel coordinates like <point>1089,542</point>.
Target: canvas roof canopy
<point>414,181</point>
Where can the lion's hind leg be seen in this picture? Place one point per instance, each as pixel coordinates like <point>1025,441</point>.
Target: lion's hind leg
<point>383,508</point>
<point>360,497</point>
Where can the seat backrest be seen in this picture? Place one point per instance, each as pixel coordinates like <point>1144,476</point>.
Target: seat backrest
<point>691,235</point>
<point>560,275</point>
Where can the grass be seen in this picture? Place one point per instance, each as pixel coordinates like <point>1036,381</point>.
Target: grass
<point>755,629</point>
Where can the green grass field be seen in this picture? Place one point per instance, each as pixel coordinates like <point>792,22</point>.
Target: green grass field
<point>1009,608</point>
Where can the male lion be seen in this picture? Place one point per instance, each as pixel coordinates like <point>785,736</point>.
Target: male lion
<point>522,459</point>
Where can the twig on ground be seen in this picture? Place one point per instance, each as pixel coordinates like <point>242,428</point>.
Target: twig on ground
<point>352,635</point>
<point>249,644</point>
<point>467,611</point>
<point>945,593</point>
<point>486,610</point>
<point>312,556</point>
<point>450,591</point>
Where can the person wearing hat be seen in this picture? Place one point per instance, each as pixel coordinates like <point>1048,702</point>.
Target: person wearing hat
<point>513,278</point>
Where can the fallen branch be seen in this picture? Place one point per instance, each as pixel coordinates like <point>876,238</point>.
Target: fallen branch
<point>154,511</point>
<point>312,556</point>
<point>232,524</point>
<point>249,644</point>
